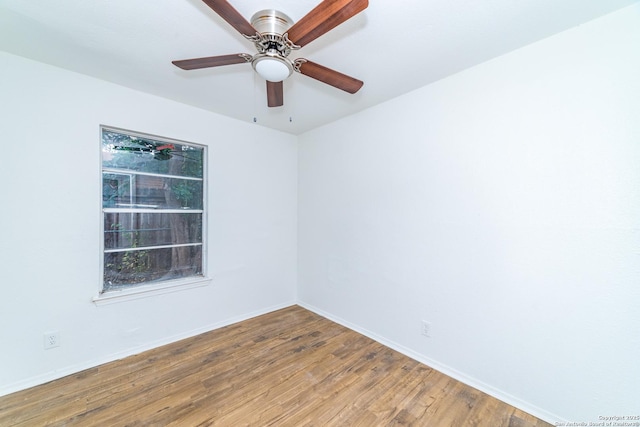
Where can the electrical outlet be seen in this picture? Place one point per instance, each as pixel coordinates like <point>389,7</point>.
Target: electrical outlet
<point>51,340</point>
<point>426,328</point>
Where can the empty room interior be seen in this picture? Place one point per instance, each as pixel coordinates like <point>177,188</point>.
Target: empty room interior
<point>455,189</point>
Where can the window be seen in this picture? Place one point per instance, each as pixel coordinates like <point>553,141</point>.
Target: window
<point>153,209</point>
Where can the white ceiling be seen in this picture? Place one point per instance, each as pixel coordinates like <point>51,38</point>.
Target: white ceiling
<point>393,46</point>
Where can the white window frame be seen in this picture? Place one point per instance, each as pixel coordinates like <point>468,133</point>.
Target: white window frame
<point>156,288</point>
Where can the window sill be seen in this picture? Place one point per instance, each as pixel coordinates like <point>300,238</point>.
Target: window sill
<point>146,291</point>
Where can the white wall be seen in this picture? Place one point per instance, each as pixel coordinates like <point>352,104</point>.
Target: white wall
<point>502,205</point>
<point>50,219</point>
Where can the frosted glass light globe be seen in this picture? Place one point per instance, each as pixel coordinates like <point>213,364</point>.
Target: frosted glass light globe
<point>272,69</point>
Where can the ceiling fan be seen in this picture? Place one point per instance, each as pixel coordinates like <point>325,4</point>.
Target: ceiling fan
<point>275,36</point>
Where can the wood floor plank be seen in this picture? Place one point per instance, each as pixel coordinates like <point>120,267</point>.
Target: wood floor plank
<point>290,367</point>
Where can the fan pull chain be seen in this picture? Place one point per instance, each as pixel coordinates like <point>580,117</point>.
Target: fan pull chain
<point>255,97</point>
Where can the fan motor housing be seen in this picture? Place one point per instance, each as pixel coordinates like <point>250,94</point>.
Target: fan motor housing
<point>271,21</point>
<point>271,26</point>
<point>272,45</point>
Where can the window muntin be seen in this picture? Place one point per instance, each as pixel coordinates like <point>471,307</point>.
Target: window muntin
<point>153,209</point>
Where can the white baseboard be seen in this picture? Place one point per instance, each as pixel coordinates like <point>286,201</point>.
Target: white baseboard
<point>73,369</point>
<point>453,373</point>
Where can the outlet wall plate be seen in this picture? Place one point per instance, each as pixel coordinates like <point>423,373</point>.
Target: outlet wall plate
<point>51,340</point>
<point>426,329</point>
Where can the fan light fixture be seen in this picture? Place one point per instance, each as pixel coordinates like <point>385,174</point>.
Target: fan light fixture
<point>272,68</point>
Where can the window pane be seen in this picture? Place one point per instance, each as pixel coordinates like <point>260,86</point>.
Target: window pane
<point>121,151</point>
<point>134,230</point>
<point>139,267</point>
<point>116,189</point>
<point>143,191</point>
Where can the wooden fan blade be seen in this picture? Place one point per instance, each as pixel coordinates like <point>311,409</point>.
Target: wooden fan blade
<point>323,18</point>
<point>330,77</point>
<point>275,94</point>
<point>232,16</point>
<point>211,61</point>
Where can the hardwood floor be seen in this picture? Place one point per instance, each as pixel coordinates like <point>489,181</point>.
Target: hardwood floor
<point>286,368</point>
